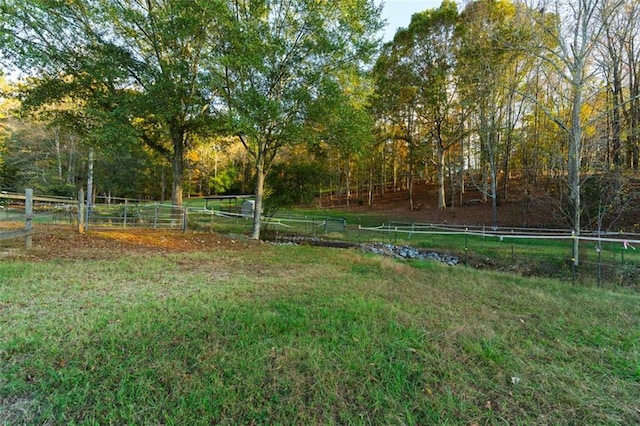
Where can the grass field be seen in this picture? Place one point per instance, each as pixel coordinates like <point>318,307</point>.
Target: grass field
<point>608,264</point>
<point>265,334</point>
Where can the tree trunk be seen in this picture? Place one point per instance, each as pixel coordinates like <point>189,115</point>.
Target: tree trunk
<point>383,170</point>
<point>257,213</point>
<point>617,101</point>
<point>410,176</point>
<point>177,138</point>
<point>463,169</point>
<point>58,153</point>
<point>632,137</point>
<point>452,179</point>
<point>163,184</point>
<point>71,167</point>
<point>575,147</point>
<point>485,145</point>
<point>371,186</point>
<point>507,158</point>
<point>494,194</point>
<point>395,165</point>
<point>89,187</point>
<point>347,181</point>
<point>410,187</point>
<point>442,203</point>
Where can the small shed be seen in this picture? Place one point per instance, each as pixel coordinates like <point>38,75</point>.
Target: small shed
<point>247,208</point>
<point>225,202</point>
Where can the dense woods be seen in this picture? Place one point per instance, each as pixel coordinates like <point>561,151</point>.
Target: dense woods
<point>289,99</point>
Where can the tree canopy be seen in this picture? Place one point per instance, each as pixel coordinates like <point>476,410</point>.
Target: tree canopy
<point>279,60</point>
<point>167,71</point>
<point>216,94</point>
<point>138,66</point>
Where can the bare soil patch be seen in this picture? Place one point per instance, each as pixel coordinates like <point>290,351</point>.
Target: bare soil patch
<point>64,243</point>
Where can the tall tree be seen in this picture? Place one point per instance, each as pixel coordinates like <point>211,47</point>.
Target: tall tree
<point>579,26</point>
<point>397,103</point>
<point>487,33</point>
<point>143,64</point>
<point>632,107</point>
<point>619,60</point>
<point>433,54</point>
<point>615,36</point>
<point>277,58</point>
<point>344,125</point>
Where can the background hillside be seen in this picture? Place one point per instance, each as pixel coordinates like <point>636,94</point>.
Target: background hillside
<point>527,206</point>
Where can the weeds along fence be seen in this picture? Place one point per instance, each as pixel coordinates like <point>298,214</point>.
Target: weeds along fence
<point>605,258</point>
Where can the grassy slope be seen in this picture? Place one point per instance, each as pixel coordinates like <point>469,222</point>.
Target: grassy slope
<point>282,334</point>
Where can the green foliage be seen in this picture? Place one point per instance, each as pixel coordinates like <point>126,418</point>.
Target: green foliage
<point>60,189</point>
<point>278,63</point>
<point>294,183</point>
<point>134,70</point>
<point>158,71</point>
<point>341,118</point>
<point>224,181</point>
<point>279,58</point>
<point>131,171</point>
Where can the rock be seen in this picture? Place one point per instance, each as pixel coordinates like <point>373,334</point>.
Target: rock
<point>382,249</point>
<point>407,252</point>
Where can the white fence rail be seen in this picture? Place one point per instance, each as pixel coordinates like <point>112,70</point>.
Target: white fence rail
<point>504,233</point>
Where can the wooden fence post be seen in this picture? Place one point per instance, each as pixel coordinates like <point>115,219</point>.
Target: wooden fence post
<point>185,219</point>
<point>28,216</point>
<point>81,211</point>
<point>155,215</point>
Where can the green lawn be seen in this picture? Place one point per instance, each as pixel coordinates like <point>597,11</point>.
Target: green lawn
<point>613,265</point>
<point>265,334</point>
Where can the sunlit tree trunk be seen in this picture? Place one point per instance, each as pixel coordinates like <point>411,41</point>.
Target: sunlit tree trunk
<point>440,165</point>
<point>89,186</point>
<point>257,213</point>
<point>71,166</point>
<point>56,134</point>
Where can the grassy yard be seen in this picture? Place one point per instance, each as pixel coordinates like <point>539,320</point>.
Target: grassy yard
<point>607,264</point>
<point>264,334</point>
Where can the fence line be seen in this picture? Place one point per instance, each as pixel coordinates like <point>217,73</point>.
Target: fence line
<point>265,219</point>
<point>611,256</point>
<point>27,232</point>
<point>41,198</point>
<point>500,236</point>
<point>153,215</point>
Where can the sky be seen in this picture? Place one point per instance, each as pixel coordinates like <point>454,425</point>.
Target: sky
<point>398,13</point>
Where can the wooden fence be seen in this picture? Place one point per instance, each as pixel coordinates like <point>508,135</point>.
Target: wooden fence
<point>27,232</point>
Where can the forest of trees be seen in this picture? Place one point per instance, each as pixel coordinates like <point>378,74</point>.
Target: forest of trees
<point>290,98</point>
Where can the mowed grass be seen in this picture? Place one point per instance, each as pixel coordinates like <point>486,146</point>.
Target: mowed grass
<point>264,334</point>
